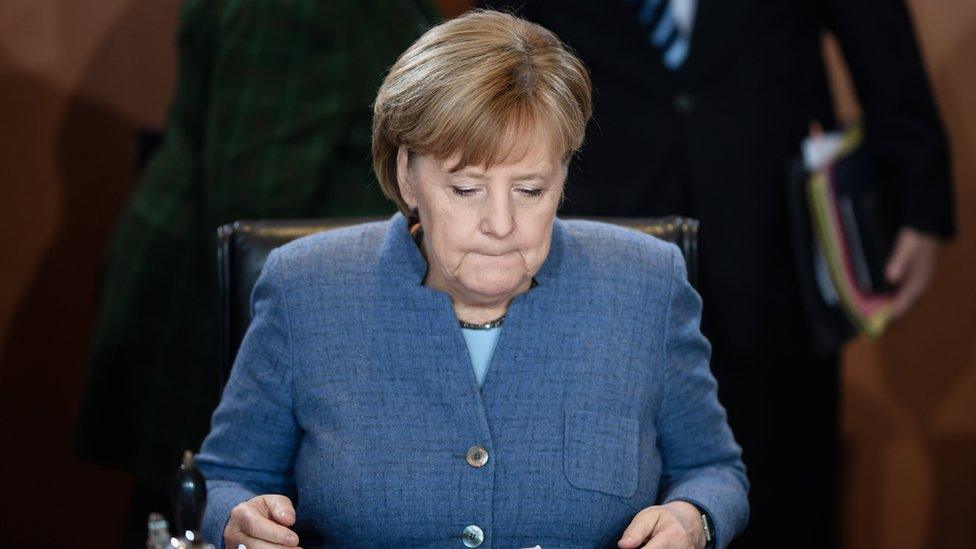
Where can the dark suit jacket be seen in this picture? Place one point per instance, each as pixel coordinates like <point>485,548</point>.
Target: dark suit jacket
<point>712,139</point>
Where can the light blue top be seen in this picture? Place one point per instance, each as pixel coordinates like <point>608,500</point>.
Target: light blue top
<point>353,394</point>
<point>481,345</point>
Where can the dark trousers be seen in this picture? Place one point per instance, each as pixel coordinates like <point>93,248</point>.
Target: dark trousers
<point>783,409</point>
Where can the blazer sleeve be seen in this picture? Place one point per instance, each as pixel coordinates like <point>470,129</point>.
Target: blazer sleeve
<point>254,434</point>
<point>701,462</point>
<point>902,124</point>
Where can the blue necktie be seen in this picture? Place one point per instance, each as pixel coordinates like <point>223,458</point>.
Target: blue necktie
<point>672,42</point>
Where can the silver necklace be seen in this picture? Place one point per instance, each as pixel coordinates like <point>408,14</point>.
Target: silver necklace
<point>486,326</point>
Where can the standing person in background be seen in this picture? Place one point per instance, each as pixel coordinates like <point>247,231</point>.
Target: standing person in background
<point>714,98</point>
<point>271,119</point>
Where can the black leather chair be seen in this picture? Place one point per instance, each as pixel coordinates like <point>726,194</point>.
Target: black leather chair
<point>243,247</point>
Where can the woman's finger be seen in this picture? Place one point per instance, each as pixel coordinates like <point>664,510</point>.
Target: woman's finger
<point>279,508</point>
<point>254,543</point>
<point>253,521</point>
<point>640,528</point>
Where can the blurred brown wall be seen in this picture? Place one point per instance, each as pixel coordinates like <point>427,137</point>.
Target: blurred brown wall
<point>78,79</point>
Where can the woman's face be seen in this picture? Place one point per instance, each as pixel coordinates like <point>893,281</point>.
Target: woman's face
<point>486,232</point>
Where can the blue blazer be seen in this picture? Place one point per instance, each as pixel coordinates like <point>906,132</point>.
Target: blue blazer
<point>353,394</point>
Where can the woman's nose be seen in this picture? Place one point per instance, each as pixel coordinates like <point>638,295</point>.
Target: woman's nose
<point>498,219</point>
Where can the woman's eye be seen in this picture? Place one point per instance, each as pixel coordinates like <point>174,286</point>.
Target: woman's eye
<point>464,191</point>
<point>531,193</point>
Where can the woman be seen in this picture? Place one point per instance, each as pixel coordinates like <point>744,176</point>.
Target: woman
<point>475,371</point>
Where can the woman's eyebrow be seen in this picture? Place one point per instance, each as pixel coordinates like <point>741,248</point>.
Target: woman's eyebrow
<point>473,175</point>
<point>530,176</point>
<point>522,177</point>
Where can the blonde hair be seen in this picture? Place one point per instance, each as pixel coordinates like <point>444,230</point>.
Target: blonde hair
<point>475,85</point>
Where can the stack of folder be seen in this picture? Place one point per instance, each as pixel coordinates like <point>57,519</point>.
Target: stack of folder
<point>845,234</point>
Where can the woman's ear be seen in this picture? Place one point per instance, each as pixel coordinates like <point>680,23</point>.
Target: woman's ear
<point>404,177</point>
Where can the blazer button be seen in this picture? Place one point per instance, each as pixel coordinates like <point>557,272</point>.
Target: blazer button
<point>472,536</point>
<point>477,456</point>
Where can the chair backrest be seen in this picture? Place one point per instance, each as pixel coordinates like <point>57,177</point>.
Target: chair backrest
<point>243,247</point>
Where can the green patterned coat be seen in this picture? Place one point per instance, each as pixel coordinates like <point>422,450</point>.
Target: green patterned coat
<point>271,119</point>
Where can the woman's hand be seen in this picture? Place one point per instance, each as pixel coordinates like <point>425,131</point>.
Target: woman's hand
<point>261,523</point>
<point>676,525</point>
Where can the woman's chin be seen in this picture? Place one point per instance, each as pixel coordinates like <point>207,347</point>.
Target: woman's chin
<point>490,286</point>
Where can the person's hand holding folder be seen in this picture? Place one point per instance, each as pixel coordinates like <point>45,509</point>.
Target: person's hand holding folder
<point>909,269</point>
<point>860,266</point>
